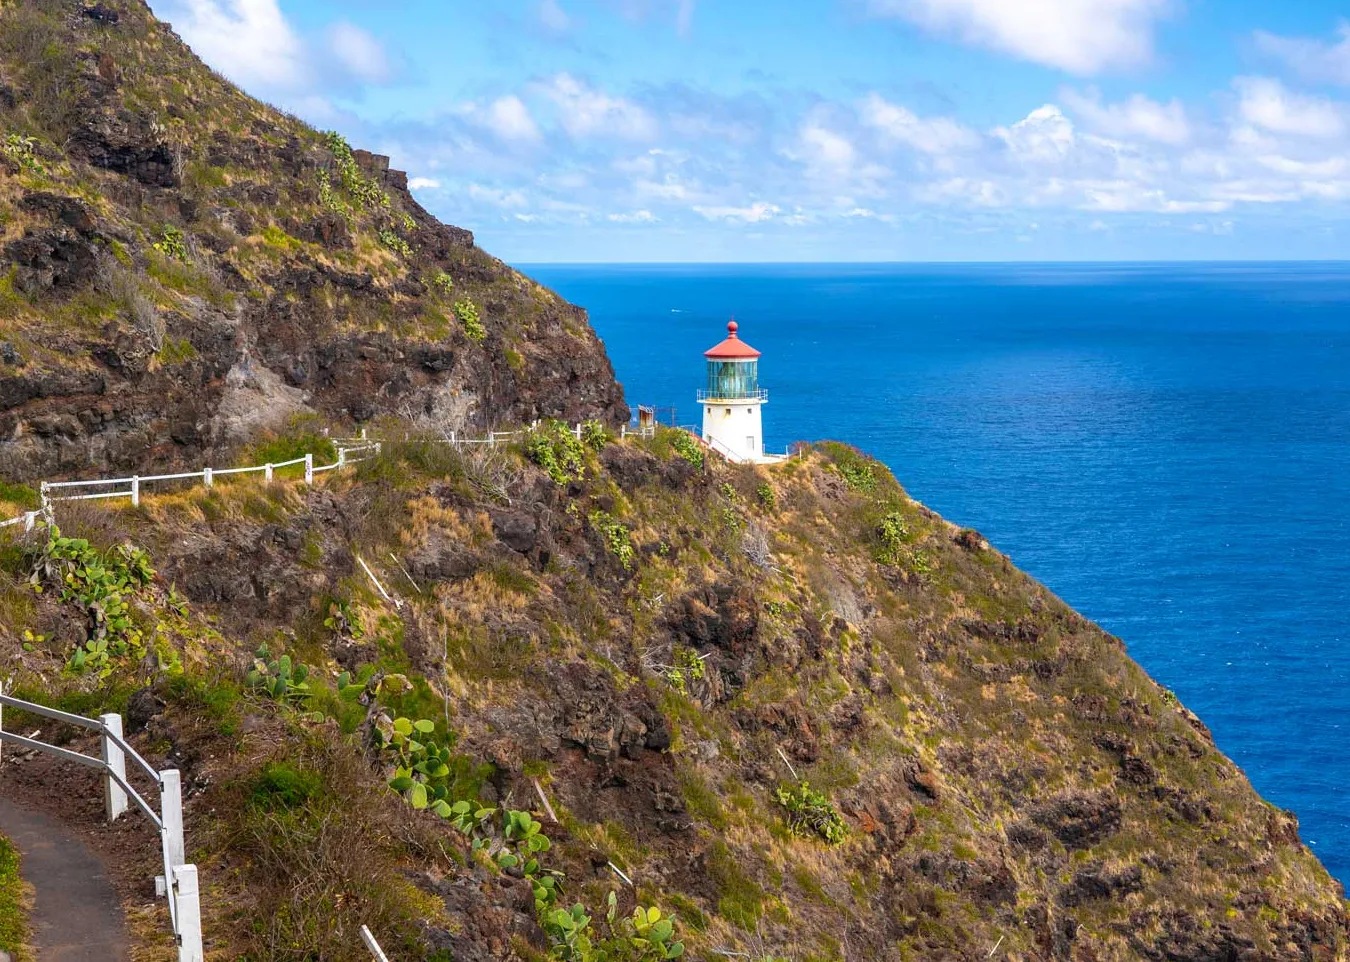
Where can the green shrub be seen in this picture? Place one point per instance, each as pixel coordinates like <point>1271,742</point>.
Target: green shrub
<point>280,679</point>
<point>894,533</point>
<point>22,150</point>
<point>421,766</point>
<point>363,190</point>
<point>395,243</point>
<point>595,435</point>
<point>443,282</point>
<point>688,447</point>
<point>329,199</point>
<point>616,537</point>
<point>810,812</point>
<point>285,786</point>
<point>857,471</point>
<point>172,244</point>
<point>767,498</point>
<point>467,312</point>
<point>554,447</point>
<point>13,914</point>
<point>279,448</point>
<point>19,494</point>
<point>103,583</point>
<point>645,936</point>
<point>688,667</point>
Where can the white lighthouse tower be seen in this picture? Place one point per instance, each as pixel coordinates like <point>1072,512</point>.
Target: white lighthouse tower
<point>733,399</point>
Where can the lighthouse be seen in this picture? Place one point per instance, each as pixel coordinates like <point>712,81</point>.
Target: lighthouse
<point>732,400</point>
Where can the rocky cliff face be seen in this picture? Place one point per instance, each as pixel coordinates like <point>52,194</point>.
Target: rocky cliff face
<point>181,266</point>
<point>800,711</point>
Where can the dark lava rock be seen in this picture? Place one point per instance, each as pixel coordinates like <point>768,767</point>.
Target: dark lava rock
<point>57,260</point>
<point>142,707</point>
<point>1097,882</point>
<point>101,14</point>
<point>1080,819</point>
<point>126,144</point>
<point>518,530</point>
<point>67,211</point>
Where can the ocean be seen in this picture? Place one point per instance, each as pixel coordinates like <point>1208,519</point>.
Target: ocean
<point>1167,447</point>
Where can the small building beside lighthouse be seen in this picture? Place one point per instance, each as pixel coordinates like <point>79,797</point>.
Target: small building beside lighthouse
<point>732,400</point>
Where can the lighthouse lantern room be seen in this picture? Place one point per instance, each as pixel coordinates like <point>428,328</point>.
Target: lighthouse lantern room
<point>732,400</point>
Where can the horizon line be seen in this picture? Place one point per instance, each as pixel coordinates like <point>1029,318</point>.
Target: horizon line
<point>931,263</point>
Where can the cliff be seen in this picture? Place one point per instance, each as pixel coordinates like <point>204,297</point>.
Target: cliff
<point>182,266</point>
<point>793,707</point>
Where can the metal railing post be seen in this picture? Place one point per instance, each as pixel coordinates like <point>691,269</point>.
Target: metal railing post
<point>342,458</point>
<point>135,492</point>
<point>116,761</point>
<point>309,469</point>
<point>206,477</point>
<point>187,900</point>
<point>372,945</point>
<point>42,493</point>
<point>171,814</point>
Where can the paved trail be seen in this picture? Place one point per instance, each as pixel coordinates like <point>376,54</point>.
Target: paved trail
<point>76,914</point>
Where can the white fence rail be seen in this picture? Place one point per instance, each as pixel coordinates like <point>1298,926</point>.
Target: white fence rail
<point>178,884</point>
<point>349,451</point>
<point>52,491</point>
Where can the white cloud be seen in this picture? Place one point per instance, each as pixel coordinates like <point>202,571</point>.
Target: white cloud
<point>635,217</point>
<point>358,51</point>
<point>1079,36</point>
<point>826,150</point>
<point>249,41</point>
<point>498,197</point>
<point>754,214</point>
<point>554,17</point>
<point>1313,60</point>
<point>510,119</point>
<point>1136,117</point>
<point>585,111</point>
<point>1266,104</point>
<point>424,183</point>
<point>932,135</point>
<point>1044,136</point>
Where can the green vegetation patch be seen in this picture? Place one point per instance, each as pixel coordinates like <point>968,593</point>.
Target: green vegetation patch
<point>467,312</point>
<point>556,449</point>
<point>13,913</point>
<point>810,813</point>
<point>104,583</point>
<point>687,447</point>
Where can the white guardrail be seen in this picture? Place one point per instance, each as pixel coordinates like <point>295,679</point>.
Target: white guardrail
<point>131,487</point>
<point>207,476</point>
<point>178,884</point>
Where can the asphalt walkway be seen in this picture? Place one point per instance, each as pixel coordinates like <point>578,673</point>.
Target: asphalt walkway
<point>76,915</point>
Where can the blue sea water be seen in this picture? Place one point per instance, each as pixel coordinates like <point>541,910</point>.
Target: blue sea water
<point>1166,447</point>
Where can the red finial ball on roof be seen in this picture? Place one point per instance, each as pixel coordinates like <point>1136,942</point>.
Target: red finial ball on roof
<point>733,348</point>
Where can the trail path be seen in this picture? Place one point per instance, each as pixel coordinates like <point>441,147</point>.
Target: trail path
<point>76,914</point>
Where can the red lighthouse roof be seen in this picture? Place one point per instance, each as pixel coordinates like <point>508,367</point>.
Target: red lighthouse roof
<point>732,349</point>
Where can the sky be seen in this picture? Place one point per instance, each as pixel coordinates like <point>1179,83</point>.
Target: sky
<point>829,130</point>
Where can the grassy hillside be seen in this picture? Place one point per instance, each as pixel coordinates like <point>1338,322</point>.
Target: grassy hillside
<point>181,266</point>
<point>805,716</point>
